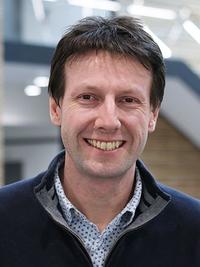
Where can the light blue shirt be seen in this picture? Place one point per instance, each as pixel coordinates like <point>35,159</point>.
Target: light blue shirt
<point>98,244</point>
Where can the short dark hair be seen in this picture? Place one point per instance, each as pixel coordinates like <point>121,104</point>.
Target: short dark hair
<point>122,35</point>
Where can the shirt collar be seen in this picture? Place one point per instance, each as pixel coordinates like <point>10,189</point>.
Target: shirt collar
<point>125,217</point>
<point>128,213</point>
<point>66,206</point>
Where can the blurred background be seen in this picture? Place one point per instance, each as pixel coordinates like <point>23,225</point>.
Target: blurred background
<point>29,32</point>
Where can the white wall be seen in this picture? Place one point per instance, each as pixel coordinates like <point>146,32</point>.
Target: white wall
<point>35,158</point>
<point>58,16</point>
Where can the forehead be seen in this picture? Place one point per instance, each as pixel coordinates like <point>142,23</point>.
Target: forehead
<point>104,70</point>
<point>104,59</point>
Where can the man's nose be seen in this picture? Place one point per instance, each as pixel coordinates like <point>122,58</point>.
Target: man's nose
<point>107,119</point>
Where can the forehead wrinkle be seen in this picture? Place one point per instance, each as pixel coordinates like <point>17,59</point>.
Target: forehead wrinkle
<point>102,60</point>
<point>77,57</point>
<point>95,56</point>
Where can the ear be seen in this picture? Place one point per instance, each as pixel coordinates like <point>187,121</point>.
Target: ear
<point>153,120</point>
<point>55,112</point>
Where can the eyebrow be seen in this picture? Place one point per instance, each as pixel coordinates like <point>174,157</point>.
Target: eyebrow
<point>98,88</point>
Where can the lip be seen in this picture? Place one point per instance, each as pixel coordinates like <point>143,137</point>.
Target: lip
<point>104,140</point>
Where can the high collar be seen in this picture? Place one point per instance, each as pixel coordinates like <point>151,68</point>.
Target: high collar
<point>153,199</point>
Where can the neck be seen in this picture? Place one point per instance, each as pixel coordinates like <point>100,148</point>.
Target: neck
<point>100,200</point>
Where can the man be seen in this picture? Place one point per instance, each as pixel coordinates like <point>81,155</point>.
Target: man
<point>97,204</point>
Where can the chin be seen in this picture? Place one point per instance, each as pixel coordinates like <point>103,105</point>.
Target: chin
<point>101,171</point>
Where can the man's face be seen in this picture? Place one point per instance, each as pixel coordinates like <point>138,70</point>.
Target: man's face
<point>105,114</point>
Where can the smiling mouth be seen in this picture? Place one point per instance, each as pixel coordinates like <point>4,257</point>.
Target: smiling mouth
<point>103,145</point>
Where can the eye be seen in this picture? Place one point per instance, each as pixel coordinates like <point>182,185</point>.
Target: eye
<point>87,97</point>
<point>129,100</point>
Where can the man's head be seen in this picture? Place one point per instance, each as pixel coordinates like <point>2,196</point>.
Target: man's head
<point>120,35</point>
<point>106,86</point>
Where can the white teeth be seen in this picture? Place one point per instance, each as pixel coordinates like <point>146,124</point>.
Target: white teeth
<point>98,144</point>
<point>109,146</point>
<point>117,144</point>
<point>105,145</point>
<point>90,141</point>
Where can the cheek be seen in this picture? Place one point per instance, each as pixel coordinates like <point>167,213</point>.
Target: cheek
<point>66,126</point>
<point>83,118</point>
<point>74,122</point>
<point>138,128</point>
<point>136,123</point>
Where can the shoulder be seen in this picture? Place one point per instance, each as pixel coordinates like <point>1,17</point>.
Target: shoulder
<point>183,207</point>
<point>23,192</point>
<point>17,192</point>
<point>181,198</point>
<point>19,206</point>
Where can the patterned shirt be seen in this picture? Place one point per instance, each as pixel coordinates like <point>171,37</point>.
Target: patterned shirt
<point>98,244</point>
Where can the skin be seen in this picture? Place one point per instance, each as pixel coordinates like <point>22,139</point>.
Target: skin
<point>107,98</point>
